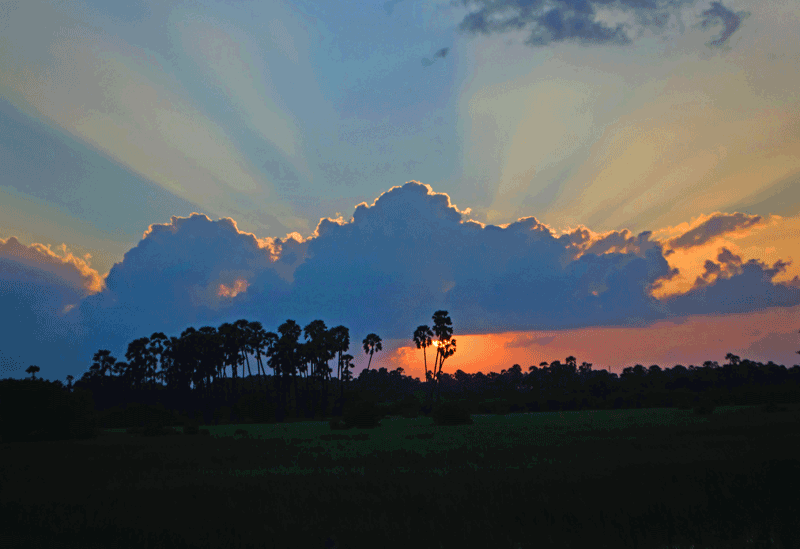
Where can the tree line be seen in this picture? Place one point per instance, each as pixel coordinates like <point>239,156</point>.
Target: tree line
<point>190,372</point>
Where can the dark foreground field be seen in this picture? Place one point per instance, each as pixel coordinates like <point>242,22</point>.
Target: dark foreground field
<point>649,479</point>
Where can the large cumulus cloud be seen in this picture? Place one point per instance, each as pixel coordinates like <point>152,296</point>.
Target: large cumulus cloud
<point>385,270</point>
<point>37,288</point>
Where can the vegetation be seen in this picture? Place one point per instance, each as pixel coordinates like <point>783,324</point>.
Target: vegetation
<point>520,448</point>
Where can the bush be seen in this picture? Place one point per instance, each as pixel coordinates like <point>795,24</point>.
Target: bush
<point>191,430</point>
<point>337,424</point>
<point>452,413</point>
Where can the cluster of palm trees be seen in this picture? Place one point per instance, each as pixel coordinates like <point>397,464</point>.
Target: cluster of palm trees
<point>200,357</point>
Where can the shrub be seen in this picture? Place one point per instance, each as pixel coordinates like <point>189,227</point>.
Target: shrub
<point>205,432</point>
<point>452,413</point>
<point>337,424</point>
<point>191,430</point>
<point>240,432</point>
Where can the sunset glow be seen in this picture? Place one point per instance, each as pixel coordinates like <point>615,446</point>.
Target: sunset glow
<point>626,195</point>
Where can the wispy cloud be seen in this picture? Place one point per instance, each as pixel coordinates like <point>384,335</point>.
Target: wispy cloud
<point>585,21</point>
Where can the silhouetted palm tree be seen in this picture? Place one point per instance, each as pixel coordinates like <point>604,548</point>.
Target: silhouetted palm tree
<point>423,338</point>
<point>32,369</point>
<point>102,362</point>
<point>340,337</point>
<point>288,350</point>
<point>139,360</point>
<point>318,352</point>
<point>372,344</point>
<point>445,346</point>
<point>157,346</point>
<point>231,343</point>
<point>258,343</point>
<point>245,343</point>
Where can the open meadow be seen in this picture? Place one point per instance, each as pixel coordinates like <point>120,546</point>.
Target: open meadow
<point>645,478</point>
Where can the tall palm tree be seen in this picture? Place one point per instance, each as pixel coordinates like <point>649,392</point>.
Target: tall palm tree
<point>258,343</point>
<point>423,338</point>
<point>138,359</point>
<point>272,351</point>
<point>231,343</point>
<point>245,343</point>
<point>320,351</point>
<point>288,351</point>
<point>347,365</point>
<point>445,346</point>
<point>103,362</point>
<point>340,343</point>
<point>372,344</point>
<point>157,346</point>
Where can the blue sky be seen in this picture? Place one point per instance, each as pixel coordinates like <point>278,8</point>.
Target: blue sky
<point>656,142</point>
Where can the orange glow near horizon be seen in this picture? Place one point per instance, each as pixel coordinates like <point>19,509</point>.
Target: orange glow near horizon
<point>761,336</point>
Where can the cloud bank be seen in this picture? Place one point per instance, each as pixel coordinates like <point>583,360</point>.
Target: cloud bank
<point>385,270</point>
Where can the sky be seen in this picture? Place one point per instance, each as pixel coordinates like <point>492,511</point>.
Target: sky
<point>616,181</point>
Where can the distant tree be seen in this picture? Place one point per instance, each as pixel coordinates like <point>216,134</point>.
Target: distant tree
<point>32,369</point>
<point>69,382</point>
<point>734,360</point>
<point>258,343</point>
<point>340,342</point>
<point>102,363</point>
<point>372,344</point>
<point>158,343</point>
<point>319,348</point>
<point>585,368</point>
<point>423,339</point>
<point>139,360</point>
<point>445,345</point>
<point>288,349</point>
<point>232,344</point>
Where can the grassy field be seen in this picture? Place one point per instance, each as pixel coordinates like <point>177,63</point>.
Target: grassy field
<point>650,478</point>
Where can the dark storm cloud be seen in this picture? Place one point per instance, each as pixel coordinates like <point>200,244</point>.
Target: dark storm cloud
<point>717,225</point>
<point>720,15</point>
<point>576,20</point>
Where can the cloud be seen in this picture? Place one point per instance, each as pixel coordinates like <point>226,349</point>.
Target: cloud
<point>713,227</point>
<point>189,271</point>
<point>385,270</point>
<point>720,15</point>
<point>442,53</point>
<point>38,287</point>
<point>584,21</point>
<point>731,286</point>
